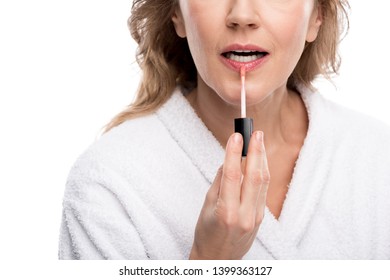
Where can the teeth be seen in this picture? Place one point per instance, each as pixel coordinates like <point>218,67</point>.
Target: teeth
<point>241,58</point>
<point>243,51</point>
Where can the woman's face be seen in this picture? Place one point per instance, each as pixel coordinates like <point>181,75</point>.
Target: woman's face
<point>265,36</point>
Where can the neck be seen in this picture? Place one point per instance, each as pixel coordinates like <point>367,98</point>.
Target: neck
<point>281,116</point>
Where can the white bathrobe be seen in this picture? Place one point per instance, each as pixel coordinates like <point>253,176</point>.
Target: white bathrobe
<point>137,192</point>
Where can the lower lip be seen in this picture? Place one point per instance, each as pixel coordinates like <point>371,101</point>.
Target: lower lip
<point>249,66</point>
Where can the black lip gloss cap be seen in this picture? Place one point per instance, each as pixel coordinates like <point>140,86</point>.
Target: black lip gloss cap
<point>245,127</point>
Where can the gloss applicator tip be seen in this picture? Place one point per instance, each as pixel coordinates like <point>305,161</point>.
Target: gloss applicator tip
<point>243,92</point>
<point>244,125</point>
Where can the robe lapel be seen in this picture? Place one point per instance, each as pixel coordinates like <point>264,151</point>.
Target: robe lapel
<point>282,237</point>
<point>192,135</point>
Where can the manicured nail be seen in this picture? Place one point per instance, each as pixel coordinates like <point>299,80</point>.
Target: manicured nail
<point>259,136</point>
<point>237,138</point>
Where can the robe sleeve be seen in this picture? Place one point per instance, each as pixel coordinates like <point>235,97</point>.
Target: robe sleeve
<point>95,225</point>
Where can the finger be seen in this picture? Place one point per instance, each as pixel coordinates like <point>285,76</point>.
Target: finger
<point>265,174</point>
<point>230,189</point>
<point>252,176</point>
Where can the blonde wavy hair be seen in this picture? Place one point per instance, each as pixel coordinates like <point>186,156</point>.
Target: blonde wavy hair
<point>166,61</point>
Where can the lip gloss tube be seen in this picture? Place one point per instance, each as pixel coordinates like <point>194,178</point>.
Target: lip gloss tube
<point>244,125</point>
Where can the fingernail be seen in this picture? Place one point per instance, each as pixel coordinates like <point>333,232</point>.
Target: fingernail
<point>237,138</point>
<point>259,136</point>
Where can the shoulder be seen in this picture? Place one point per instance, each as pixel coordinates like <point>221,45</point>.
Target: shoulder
<point>127,138</point>
<point>352,149</point>
<point>343,122</point>
<point>136,143</point>
<point>357,144</point>
<point>112,158</point>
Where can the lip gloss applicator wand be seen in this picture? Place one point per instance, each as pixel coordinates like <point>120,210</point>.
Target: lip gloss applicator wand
<point>244,125</point>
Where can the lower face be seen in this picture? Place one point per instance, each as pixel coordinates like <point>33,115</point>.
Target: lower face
<point>266,37</point>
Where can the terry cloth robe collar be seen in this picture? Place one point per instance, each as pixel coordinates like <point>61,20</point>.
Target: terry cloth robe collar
<point>279,236</point>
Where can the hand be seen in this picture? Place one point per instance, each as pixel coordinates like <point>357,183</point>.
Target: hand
<point>234,205</point>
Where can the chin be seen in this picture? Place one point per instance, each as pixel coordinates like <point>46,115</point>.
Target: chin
<point>257,94</point>
<point>229,92</point>
<point>256,100</point>
<point>230,97</point>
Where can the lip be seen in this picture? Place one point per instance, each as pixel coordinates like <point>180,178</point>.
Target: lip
<point>249,66</point>
<point>240,47</point>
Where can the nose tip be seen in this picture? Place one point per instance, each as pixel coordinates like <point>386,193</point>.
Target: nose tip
<point>236,24</point>
<point>242,14</point>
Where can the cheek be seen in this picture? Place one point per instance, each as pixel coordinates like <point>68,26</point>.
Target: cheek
<point>203,20</point>
<point>198,18</point>
<point>289,35</point>
<point>291,28</point>
<point>198,38</point>
<point>294,39</point>
<point>197,41</point>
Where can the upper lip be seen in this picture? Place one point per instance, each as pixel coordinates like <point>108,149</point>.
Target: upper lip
<point>239,47</point>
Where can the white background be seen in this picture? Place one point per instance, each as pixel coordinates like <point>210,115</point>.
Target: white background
<point>67,67</point>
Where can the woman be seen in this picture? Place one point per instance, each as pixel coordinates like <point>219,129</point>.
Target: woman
<point>167,180</point>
